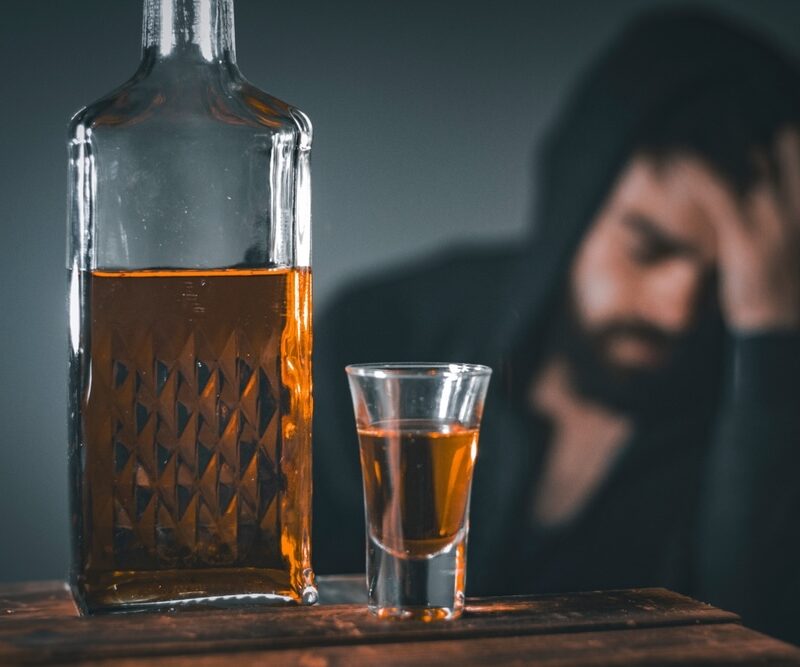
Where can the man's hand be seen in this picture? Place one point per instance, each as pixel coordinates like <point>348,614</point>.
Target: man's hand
<point>758,240</point>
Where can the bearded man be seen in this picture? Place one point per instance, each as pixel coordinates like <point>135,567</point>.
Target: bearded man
<point>643,423</point>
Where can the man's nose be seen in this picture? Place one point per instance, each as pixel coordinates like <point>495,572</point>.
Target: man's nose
<point>671,297</point>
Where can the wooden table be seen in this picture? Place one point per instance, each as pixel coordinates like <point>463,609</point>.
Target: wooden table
<point>39,625</point>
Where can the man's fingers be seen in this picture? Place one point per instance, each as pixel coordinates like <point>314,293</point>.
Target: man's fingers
<point>765,214</point>
<point>759,284</point>
<point>787,150</point>
<point>717,201</point>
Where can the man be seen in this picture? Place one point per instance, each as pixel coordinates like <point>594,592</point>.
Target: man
<point>643,423</point>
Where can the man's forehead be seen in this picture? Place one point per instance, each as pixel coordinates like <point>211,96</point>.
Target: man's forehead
<point>658,193</point>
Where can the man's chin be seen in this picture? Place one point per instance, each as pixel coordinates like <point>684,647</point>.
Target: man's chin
<point>635,368</point>
<point>634,356</point>
<point>624,388</point>
<point>636,371</point>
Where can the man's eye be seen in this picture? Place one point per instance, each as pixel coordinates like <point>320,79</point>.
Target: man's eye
<point>647,252</point>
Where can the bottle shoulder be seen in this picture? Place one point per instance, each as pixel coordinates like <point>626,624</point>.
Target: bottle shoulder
<point>268,109</point>
<point>198,97</point>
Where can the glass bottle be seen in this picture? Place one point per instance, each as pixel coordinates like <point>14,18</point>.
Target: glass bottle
<point>189,254</point>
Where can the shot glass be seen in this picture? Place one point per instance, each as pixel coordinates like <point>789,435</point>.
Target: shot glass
<point>418,438</point>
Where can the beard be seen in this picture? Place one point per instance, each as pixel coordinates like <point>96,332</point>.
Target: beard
<point>688,369</point>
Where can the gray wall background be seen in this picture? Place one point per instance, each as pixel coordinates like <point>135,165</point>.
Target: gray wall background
<point>425,115</point>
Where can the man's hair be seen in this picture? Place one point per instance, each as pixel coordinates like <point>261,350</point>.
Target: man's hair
<point>730,125</point>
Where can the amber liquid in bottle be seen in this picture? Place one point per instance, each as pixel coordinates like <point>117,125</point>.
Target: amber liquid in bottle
<point>195,421</point>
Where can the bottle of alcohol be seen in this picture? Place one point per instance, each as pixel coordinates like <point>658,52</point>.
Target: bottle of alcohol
<point>190,330</point>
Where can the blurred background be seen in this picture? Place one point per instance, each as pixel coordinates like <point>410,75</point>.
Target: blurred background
<point>426,114</point>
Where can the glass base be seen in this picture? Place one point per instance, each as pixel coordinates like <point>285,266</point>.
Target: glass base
<point>128,591</point>
<point>425,614</point>
<point>428,588</point>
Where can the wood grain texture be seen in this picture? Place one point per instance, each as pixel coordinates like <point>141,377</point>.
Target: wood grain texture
<point>716,644</point>
<point>43,628</point>
<point>36,599</point>
<point>39,625</point>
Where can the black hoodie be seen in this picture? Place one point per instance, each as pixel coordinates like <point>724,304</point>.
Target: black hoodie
<point>703,500</point>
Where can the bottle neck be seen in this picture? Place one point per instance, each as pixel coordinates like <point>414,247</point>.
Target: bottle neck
<point>193,29</point>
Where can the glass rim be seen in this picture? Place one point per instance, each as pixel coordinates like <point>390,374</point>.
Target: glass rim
<point>417,369</point>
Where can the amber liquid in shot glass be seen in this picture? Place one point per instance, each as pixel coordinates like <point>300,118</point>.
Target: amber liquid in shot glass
<point>417,480</point>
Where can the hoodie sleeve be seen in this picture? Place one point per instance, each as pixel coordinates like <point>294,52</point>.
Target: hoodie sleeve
<point>749,555</point>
